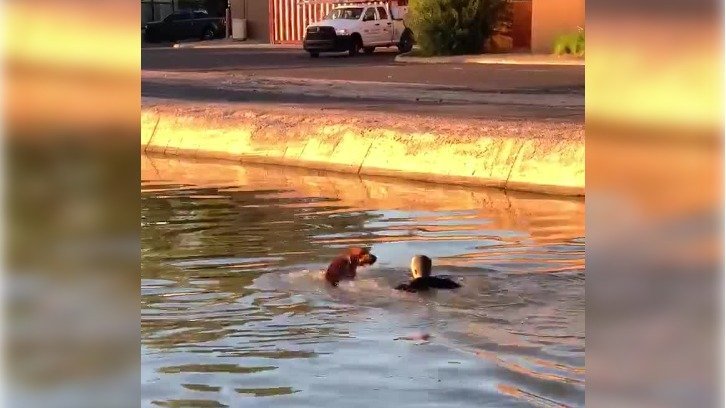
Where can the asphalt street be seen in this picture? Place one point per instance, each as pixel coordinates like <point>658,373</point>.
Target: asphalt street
<point>198,72</point>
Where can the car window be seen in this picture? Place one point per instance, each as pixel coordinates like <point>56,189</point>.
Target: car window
<point>200,14</point>
<point>370,14</point>
<point>382,13</point>
<point>347,13</point>
<point>182,15</point>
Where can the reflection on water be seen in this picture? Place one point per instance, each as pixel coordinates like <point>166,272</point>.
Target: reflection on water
<point>234,311</point>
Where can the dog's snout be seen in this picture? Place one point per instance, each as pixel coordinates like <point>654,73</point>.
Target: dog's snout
<point>372,259</point>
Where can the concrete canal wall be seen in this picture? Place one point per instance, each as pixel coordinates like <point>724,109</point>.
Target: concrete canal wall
<point>518,155</point>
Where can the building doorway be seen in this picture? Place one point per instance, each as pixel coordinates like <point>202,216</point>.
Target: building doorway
<point>520,15</point>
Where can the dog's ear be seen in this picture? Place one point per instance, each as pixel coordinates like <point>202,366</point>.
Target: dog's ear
<point>358,251</point>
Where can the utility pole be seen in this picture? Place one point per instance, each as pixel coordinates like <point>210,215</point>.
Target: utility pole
<point>228,19</point>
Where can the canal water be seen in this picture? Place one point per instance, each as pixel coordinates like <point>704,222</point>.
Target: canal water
<point>234,311</point>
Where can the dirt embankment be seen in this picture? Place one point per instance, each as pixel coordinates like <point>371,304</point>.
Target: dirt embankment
<point>536,156</point>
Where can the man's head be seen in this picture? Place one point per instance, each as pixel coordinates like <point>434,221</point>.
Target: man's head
<point>420,266</point>
<point>361,256</point>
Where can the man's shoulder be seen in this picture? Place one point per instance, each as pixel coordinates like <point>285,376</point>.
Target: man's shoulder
<point>444,283</point>
<point>413,286</point>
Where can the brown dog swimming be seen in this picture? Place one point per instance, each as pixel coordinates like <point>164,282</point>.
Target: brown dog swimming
<point>344,266</point>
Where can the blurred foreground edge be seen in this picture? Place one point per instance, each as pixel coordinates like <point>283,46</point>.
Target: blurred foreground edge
<point>654,205</point>
<point>71,110</point>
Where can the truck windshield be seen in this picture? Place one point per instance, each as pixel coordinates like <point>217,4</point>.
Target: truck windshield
<point>348,13</point>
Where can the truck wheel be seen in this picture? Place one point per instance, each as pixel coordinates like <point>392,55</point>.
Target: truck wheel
<point>355,46</point>
<point>208,34</point>
<point>406,42</point>
<point>369,50</point>
<point>151,37</point>
<point>314,54</point>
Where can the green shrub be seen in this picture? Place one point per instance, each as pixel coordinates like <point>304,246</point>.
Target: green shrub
<point>452,27</point>
<point>573,44</point>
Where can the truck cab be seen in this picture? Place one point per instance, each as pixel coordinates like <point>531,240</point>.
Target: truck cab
<point>356,27</point>
<point>184,24</point>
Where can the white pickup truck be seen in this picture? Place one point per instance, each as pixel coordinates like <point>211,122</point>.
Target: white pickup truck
<point>357,27</point>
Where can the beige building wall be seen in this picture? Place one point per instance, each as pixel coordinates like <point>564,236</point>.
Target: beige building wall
<point>551,18</point>
<point>257,13</point>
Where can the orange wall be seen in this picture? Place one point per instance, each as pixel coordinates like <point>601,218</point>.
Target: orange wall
<point>551,18</point>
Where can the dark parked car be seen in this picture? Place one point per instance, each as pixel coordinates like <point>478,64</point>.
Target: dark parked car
<point>185,24</point>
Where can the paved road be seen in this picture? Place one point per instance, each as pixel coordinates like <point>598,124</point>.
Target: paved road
<point>377,68</point>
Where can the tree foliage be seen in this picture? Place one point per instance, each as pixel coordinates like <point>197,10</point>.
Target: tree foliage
<point>451,27</point>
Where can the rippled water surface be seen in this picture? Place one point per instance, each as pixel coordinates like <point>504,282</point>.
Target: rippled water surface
<point>234,311</point>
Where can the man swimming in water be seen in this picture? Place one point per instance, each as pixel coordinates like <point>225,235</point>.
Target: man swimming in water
<point>422,279</point>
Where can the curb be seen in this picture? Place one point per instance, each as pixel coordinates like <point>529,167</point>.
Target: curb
<point>236,45</point>
<point>216,44</point>
<point>489,59</point>
<point>531,162</point>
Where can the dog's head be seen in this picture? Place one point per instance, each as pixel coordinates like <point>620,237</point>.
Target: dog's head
<point>361,256</point>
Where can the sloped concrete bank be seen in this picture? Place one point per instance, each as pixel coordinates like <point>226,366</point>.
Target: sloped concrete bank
<point>519,155</point>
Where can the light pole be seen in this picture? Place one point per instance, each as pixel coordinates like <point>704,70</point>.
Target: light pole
<point>228,18</point>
